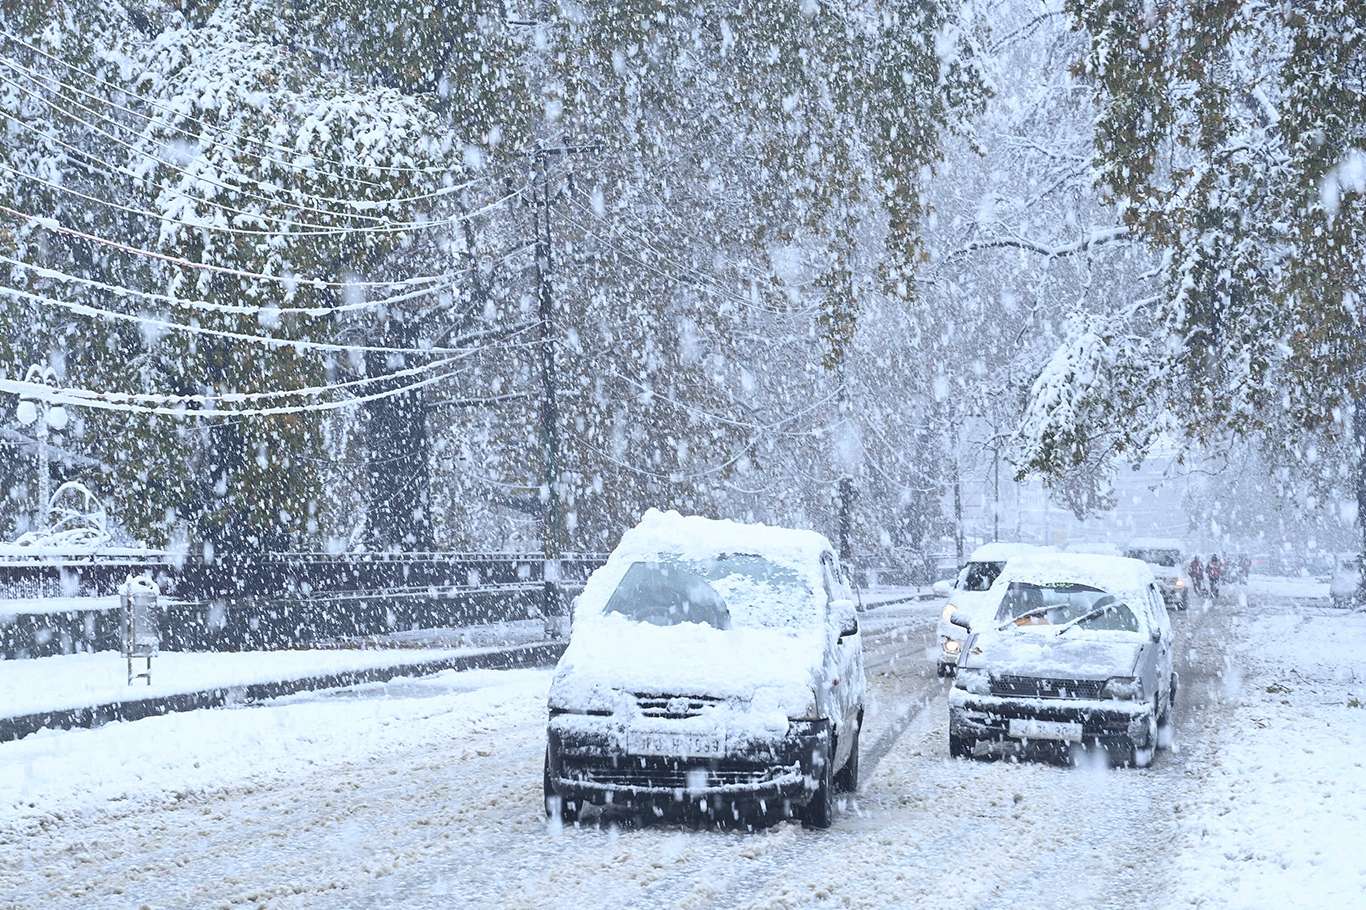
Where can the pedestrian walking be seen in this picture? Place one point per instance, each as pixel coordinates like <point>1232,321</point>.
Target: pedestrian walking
<point>1215,571</point>
<point>1196,570</point>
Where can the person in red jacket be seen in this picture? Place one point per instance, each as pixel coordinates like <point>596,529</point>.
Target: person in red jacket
<point>1196,570</point>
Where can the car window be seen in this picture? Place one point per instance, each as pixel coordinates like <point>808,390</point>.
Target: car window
<point>979,576</point>
<point>1055,604</point>
<point>1157,557</point>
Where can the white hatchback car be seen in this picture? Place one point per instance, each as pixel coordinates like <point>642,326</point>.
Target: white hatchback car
<point>1079,652</point>
<point>710,664</point>
<point>971,594</point>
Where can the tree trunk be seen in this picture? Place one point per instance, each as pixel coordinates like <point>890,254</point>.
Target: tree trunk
<point>1359,438</point>
<point>397,450</point>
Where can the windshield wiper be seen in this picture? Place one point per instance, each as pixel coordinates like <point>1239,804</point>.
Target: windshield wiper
<point>1098,611</point>
<point>1025,615</point>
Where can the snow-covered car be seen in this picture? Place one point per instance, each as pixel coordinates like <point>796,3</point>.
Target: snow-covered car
<point>711,664</point>
<point>971,594</point>
<point>1166,556</point>
<point>1079,651</point>
<point>1346,581</point>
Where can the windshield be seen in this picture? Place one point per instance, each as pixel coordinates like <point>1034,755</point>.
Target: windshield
<point>733,590</point>
<point>979,576</point>
<point>1156,557</point>
<point>1029,604</point>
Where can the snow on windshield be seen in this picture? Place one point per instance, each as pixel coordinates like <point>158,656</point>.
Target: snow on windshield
<point>737,589</point>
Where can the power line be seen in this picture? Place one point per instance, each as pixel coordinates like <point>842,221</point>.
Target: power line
<point>55,396</point>
<point>243,309</point>
<point>52,224</point>
<point>209,127</point>
<point>382,225</point>
<point>268,341</point>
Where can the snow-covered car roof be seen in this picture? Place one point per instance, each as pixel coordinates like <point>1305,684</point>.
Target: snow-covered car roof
<point>695,537</point>
<point>1096,547</point>
<point>1157,543</point>
<point>1119,575</point>
<point>1001,550</point>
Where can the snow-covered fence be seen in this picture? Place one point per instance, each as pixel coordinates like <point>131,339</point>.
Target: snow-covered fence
<point>271,600</point>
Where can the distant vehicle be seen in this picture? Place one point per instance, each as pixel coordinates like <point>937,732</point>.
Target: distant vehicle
<point>710,664</point>
<point>970,593</point>
<point>1094,547</point>
<point>1346,581</point>
<point>1166,556</point>
<point>1079,652</point>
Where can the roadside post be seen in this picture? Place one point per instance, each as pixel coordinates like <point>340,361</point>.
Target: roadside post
<point>141,633</point>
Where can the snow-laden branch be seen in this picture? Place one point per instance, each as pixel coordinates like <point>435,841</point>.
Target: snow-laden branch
<point>1094,239</point>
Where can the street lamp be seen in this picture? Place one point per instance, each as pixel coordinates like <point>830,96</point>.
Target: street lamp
<point>37,410</point>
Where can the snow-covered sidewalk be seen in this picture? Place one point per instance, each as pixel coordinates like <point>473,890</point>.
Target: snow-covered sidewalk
<point>1280,810</point>
<point>74,681</point>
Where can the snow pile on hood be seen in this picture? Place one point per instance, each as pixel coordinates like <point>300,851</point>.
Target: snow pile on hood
<point>609,653</point>
<point>1127,579</point>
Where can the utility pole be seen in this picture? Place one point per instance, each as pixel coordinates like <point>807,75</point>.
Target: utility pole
<point>552,521</point>
<point>552,480</point>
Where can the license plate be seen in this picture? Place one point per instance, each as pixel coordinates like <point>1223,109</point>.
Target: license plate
<point>1023,728</point>
<point>690,745</point>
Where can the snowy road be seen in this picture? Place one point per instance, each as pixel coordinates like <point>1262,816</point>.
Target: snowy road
<point>445,807</point>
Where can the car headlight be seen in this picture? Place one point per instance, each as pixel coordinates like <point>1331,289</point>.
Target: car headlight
<point>790,701</point>
<point>1123,687</point>
<point>952,646</point>
<point>1180,582</point>
<point>978,682</point>
<point>949,610</point>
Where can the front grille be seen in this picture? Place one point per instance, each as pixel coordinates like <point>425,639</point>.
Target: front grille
<point>674,706</point>
<point>1034,687</point>
<point>655,774</point>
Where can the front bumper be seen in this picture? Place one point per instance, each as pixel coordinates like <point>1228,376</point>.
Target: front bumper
<point>592,768</point>
<point>1105,722</point>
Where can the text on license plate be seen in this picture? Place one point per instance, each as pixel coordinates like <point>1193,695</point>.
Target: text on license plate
<point>1026,728</point>
<point>681,744</point>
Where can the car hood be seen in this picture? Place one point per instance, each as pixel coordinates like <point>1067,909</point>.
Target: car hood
<point>1045,654</point>
<point>612,656</point>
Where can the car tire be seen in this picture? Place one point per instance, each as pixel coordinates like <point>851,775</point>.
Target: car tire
<point>1185,600</point>
<point>1141,755</point>
<point>557,806</point>
<point>820,809</point>
<point>961,746</point>
<point>944,669</point>
<point>847,778</point>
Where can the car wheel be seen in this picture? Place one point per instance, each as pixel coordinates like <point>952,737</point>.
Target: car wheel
<point>557,806</point>
<point>820,810</point>
<point>961,746</point>
<point>1185,600</point>
<point>944,669</point>
<point>847,778</point>
<point>1141,755</point>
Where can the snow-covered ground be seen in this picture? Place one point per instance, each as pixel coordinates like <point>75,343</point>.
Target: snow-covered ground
<point>427,794</point>
<point>80,680</point>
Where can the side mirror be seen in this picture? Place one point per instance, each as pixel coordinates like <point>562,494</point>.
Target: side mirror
<point>943,588</point>
<point>847,616</point>
<point>961,621</point>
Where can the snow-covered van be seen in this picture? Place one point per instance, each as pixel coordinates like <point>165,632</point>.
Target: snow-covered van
<point>1079,651</point>
<point>971,595</point>
<point>1167,558</point>
<point>710,664</point>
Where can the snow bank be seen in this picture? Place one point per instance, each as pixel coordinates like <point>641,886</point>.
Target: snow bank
<point>1282,809</point>
<point>80,680</point>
